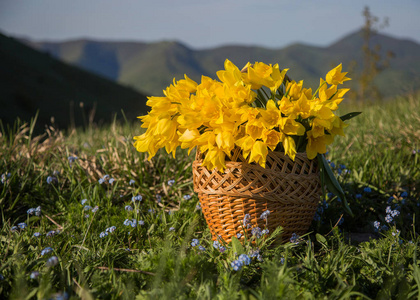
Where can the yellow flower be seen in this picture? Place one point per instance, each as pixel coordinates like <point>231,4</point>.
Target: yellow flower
<point>271,138</point>
<point>271,115</point>
<point>232,76</point>
<point>317,144</point>
<point>214,159</point>
<point>259,153</point>
<point>188,139</point>
<point>289,146</point>
<point>245,143</point>
<point>335,77</point>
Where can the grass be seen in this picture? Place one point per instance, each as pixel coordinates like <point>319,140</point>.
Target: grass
<point>341,257</point>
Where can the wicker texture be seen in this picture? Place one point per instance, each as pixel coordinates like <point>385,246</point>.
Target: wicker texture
<point>290,190</point>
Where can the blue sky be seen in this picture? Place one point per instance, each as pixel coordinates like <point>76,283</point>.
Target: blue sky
<point>205,24</point>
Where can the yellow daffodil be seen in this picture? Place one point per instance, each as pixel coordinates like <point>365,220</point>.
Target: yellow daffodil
<point>259,153</point>
<point>335,76</point>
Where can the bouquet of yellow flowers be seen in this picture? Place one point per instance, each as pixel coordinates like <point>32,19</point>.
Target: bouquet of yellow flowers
<point>257,109</point>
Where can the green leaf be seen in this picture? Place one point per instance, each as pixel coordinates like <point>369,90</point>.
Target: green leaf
<point>321,239</point>
<point>237,246</point>
<point>350,115</point>
<point>328,179</point>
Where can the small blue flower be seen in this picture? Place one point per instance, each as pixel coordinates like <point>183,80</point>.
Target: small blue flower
<point>201,248</point>
<point>339,171</point>
<point>367,190</point>
<point>172,229</point>
<point>195,242</point>
<point>52,261</point>
<point>106,177</point>
<point>34,275</point>
<point>384,228</point>
<point>50,233</point>
<point>83,201</point>
<point>131,182</point>
<point>244,259</point>
<point>264,215</point>
<point>110,229</point>
<point>222,249</point>
<point>111,181</point>
<point>332,165</point>
<point>137,198</point>
<point>46,251</point>
<point>256,231</point>
<point>128,208</point>
<point>238,235</point>
<point>127,222</point>
<point>171,182</point>
<point>158,198</point>
<point>396,233</point>
<point>265,231</point>
<point>72,159</point>
<point>216,244</point>
<point>388,209</point>
<point>294,239</point>
<point>50,179</point>
<point>30,211</point>
<point>14,228</point>
<point>254,253</point>
<point>404,194</point>
<point>341,221</point>
<point>236,265</point>
<point>36,234</point>
<point>390,199</point>
<point>87,207</point>
<point>282,260</point>
<point>377,224</point>
<point>141,222</point>
<point>103,234</point>
<point>388,218</point>
<point>187,197</point>
<point>101,180</point>
<point>317,217</point>
<point>246,222</point>
<point>95,209</point>
<point>395,213</point>
<point>342,166</point>
<point>22,225</point>
<point>134,223</point>
<point>198,206</point>
<point>330,195</point>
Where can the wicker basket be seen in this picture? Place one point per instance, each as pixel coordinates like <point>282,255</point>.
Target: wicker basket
<point>290,190</point>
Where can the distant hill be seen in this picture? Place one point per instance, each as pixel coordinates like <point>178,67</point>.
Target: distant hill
<point>31,81</point>
<point>150,67</point>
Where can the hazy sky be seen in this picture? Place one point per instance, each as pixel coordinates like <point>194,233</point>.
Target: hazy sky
<point>205,23</point>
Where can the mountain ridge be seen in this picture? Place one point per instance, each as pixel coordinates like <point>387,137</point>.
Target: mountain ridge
<point>150,67</point>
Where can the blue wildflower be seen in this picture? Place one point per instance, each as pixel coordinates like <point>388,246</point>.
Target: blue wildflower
<point>195,242</point>
<point>87,207</point>
<point>171,182</point>
<point>131,182</point>
<point>388,218</point>
<point>396,233</point>
<point>367,190</point>
<point>317,217</point>
<point>244,259</point>
<point>404,194</point>
<point>34,275</point>
<point>377,224</point>
<point>14,228</point>
<point>339,171</point>
<point>95,209</point>
<point>30,211</point>
<point>127,222</point>
<point>198,206</point>
<point>111,181</point>
<point>216,244</point>
<point>294,239</point>
<point>254,253</point>
<point>46,251</point>
<point>342,166</point>
<point>256,231</point>
<point>128,208</point>
<point>238,235</point>
<point>187,197</point>
<point>246,222</point>
<point>52,261</point>
<point>172,229</point>
<point>341,221</point>
<point>264,215</point>
<point>50,179</point>
<point>72,159</point>
<point>103,234</point>
<point>330,195</point>
<point>201,248</point>
<point>1,277</point>
<point>133,223</point>
<point>101,180</point>
<point>141,222</point>
<point>332,165</point>
<point>158,198</point>
<point>388,209</point>
<point>390,199</point>
<point>265,231</point>
<point>36,234</point>
<point>236,265</point>
<point>110,229</point>
<point>50,233</point>
<point>83,201</point>
<point>395,213</point>
<point>222,249</point>
<point>22,225</point>
<point>137,198</point>
<point>282,260</point>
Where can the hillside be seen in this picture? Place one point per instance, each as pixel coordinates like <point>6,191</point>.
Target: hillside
<point>30,80</point>
<point>150,67</point>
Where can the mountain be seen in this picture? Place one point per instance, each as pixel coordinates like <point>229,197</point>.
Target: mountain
<point>31,81</point>
<point>150,67</point>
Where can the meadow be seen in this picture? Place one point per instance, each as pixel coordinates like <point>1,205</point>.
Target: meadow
<point>84,215</point>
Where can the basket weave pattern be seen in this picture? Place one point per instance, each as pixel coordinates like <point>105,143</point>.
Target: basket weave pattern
<point>290,190</point>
